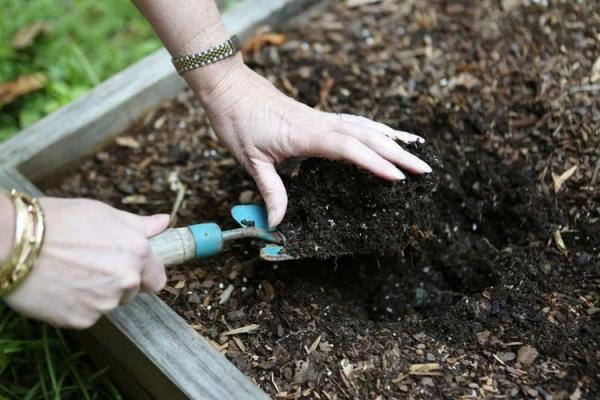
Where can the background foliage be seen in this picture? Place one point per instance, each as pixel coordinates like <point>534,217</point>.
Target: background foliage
<point>86,41</point>
<point>37,362</point>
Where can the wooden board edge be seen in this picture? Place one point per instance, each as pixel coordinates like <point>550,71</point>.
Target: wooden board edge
<point>119,373</point>
<point>199,370</point>
<point>12,179</point>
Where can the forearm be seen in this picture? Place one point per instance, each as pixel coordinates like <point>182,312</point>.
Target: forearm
<point>191,26</point>
<point>7,223</point>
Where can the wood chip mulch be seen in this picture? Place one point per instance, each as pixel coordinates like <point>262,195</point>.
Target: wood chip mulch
<point>503,301</point>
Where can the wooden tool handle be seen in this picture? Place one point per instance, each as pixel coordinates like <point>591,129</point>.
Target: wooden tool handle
<point>174,246</point>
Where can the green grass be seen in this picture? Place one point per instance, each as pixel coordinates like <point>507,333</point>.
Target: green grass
<point>88,41</point>
<point>37,362</point>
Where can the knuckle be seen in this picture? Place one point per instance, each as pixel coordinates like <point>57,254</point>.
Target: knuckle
<point>139,247</point>
<point>337,120</point>
<point>252,165</point>
<point>289,136</point>
<point>246,148</point>
<point>157,283</point>
<point>348,144</point>
<point>131,282</point>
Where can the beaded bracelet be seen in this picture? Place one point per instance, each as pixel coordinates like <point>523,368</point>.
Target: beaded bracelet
<point>29,237</point>
<point>192,61</point>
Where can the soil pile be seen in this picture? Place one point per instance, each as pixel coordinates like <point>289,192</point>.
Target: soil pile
<point>335,209</point>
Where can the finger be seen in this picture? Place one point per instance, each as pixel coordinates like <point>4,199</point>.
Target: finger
<point>385,147</point>
<point>381,128</point>
<point>148,225</point>
<point>155,224</point>
<point>154,277</point>
<point>336,146</point>
<point>272,190</point>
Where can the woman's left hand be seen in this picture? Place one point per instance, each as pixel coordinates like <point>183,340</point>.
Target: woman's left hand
<point>261,126</point>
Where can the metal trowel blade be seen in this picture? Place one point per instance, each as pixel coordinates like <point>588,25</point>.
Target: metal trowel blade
<point>276,253</point>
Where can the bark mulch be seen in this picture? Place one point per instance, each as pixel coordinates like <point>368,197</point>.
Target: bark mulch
<point>501,297</point>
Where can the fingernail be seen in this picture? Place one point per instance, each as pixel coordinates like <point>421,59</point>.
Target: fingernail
<point>398,174</point>
<point>420,140</point>
<point>426,168</point>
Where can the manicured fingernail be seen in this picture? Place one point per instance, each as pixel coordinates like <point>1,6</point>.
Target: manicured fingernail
<point>399,175</point>
<point>419,165</point>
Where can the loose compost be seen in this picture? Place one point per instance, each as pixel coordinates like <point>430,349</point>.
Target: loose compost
<point>499,295</point>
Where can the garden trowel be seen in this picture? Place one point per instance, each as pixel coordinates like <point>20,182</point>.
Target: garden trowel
<point>179,245</point>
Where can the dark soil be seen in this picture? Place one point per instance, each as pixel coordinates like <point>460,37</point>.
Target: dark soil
<point>502,300</point>
<point>336,209</point>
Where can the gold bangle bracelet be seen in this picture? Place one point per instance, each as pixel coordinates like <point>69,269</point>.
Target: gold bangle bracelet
<point>29,236</point>
<point>40,228</point>
<point>21,223</point>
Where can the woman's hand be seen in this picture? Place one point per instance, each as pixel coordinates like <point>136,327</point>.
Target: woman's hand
<point>259,124</point>
<point>262,127</point>
<point>94,258</point>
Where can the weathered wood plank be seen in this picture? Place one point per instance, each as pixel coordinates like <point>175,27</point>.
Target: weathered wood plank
<point>12,179</point>
<point>83,126</point>
<point>200,371</point>
<point>148,329</point>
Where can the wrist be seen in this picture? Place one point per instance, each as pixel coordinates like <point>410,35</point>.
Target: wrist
<point>205,80</point>
<point>210,81</point>
<point>199,39</point>
<point>7,225</point>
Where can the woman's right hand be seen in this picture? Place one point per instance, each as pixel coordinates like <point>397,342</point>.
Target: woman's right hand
<point>94,258</point>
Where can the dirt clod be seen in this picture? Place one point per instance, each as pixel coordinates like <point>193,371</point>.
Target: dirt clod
<point>335,209</point>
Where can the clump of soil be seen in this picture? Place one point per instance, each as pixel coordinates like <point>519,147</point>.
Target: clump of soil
<point>336,209</point>
<point>502,301</point>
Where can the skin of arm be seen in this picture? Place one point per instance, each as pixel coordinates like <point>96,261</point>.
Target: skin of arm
<point>260,125</point>
<point>94,257</point>
<point>191,26</point>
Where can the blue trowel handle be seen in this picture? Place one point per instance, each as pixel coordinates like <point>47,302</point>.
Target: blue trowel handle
<point>176,246</point>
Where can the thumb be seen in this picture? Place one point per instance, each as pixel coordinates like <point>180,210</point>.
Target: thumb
<point>272,190</point>
<point>155,224</point>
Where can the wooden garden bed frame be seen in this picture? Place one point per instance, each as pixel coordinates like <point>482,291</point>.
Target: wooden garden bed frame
<point>152,351</point>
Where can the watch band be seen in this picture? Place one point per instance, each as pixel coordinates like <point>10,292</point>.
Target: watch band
<point>192,61</point>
